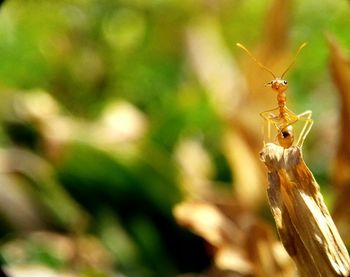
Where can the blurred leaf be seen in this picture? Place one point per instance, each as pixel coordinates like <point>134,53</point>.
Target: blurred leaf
<point>340,70</point>
<point>241,243</point>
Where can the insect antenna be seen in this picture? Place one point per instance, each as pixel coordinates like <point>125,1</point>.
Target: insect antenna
<point>294,60</point>
<point>256,60</point>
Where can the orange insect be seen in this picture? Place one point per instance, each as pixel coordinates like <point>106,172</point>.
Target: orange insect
<point>281,117</point>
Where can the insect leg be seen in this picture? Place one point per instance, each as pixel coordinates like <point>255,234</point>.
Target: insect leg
<point>305,116</point>
<point>270,117</point>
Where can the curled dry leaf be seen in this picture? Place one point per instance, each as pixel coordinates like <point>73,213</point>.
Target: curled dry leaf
<point>340,71</point>
<point>241,243</point>
<point>303,221</point>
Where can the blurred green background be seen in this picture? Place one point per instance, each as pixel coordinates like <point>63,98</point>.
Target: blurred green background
<point>98,99</point>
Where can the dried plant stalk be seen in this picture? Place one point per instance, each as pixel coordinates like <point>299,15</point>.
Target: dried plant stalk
<point>304,224</point>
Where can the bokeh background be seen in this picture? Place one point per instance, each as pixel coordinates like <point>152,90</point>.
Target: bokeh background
<point>130,132</point>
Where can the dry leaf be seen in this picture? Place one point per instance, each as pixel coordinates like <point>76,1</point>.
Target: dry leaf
<point>340,71</point>
<point>241,243</point>
<point>303,221</point>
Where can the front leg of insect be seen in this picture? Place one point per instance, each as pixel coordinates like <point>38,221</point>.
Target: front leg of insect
<point>283,122</point>
<point>285,131</point>
<point>270,117</point>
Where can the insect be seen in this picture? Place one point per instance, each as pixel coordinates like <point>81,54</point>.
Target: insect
<point>281,117</point>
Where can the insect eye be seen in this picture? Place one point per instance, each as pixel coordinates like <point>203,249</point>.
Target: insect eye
<point>285,82</point>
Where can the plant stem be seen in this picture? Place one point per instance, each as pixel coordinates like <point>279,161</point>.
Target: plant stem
<point>305,226</point>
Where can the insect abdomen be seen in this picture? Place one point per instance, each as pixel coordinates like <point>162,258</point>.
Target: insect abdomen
<point>286,136</point>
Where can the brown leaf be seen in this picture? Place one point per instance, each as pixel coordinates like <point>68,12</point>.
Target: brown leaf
<point>241,243</point>
<point>303,221</point>
<point>340,71</point>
